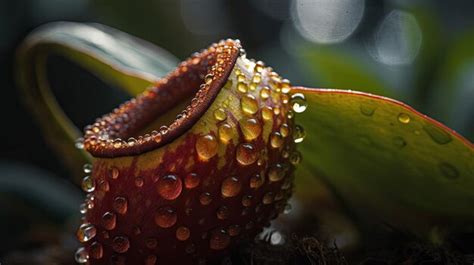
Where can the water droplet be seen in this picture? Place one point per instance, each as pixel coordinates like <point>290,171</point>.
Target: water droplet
<point>247,200</point>
<point>246,154</point>
<point>265,92</point>
<point>114,173</point>
<point>251,128</point>
<point>81,256</point>
<point>120,205</point>
<point>205,198</point>
<point>86,232</point>
<point>137,230</point>
<point>276,110</point>
<point>285,86</point>
<point>403,118</point>
<point>88,184</point>
<point>103,185</point>
<point>256,181</point>
<point>367,110</point>
<point>150,260</point>
<point>290,114</point>
<point>206,147</point>
<point>166,217</point>
<point>220,115</point>
<point>208,78</point>
<point>448,170</point>
<point>96,250</point>
<point>437,134</point>
<point>156,136</point>
<point>298,103</point>
<point>242,87</point>
<point>169,187</point>
<point>222,213</point>
<point>276,238</point>
<point>267,113</point>
<point>399,142</point>
<point>286,184</point>
<point>257,78</point>
<point>276,140</point>
<point>279,196</point>
<point>120,244</point>
<point>234,230</point>
<point>295,158</point>
<point>117,143</point>
<point>188,211</point>
<point>259,66</point>
<point>109,220</point>
<point>79,143</point>
<point>276,173</point>
<point>191,180</point>
<point>253,86</point>
<point>139,182</point>
<point>87,168</point>
<point>284,130</point>
<point>230,187</point>
<point>249,104</point>
<point>299,134</point>
<point>268,198</point>
<point>83,208</point>
<point>241,78</point>
<point>131,141</point>
<point>183,233</point>
<point>219,239</point>
<point>225,133</point>
<point>151,243</point>
<point>89,201</point>
<point>105,234</point>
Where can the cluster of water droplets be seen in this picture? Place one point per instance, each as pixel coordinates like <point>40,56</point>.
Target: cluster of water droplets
<point>435,133</point>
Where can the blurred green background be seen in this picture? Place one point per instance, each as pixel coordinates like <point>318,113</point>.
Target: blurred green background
<point>419,51</point>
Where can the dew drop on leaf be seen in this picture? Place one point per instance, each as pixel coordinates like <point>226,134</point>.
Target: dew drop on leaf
<point>298,103</point>
<point>120,205</point>
<point>246,154</point>
<point>86,232</point>
<point>169,187</point>
<point>87,168</point>
<point>367,110</point>
<point>191,180</point>
<point>206,147</point>
<point>120,244</point>
<point>231,187</point>
<point>183,233</point>
<point>109,220</point>
<point>219,239</point>
<point>399,142</point>
<point>96,250</point>
<point>166,217</point>
<point>81,256</point>
<point>437,134</point>
<point>88,184</point>
<point>403,118</point>
<point>448,170</point>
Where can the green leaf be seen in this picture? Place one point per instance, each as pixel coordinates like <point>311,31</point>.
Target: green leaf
<point>389,163</point>
<point>335,68</point>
